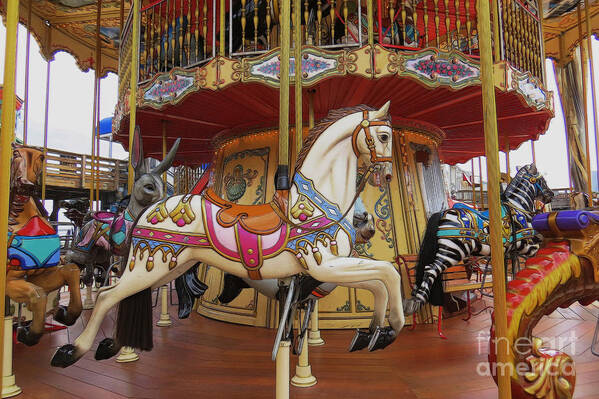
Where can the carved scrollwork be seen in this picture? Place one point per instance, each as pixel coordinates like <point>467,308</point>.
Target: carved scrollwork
<point>552,374</point>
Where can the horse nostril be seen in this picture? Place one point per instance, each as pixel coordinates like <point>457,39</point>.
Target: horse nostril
<point>388,178</point>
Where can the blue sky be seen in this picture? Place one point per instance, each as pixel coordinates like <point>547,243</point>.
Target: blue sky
<point>70,113</point>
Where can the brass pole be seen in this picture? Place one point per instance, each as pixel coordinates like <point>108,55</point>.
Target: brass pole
<point>133,87</point>
<point>473,186</point>
<point>46,108</point>
<point>97,116</point>
<point>282,182</point>
<point>532,149</point>
<point>370,18</point>
<point>507,158</point>
<point>92,174</point>
<point>495,37</point>
<point>299,121</point>
<point>221,38</point>
<point>6,138</point>
<point>26,99</point>
<point>495,225</point>
<point>164,151</point>
<point>311,108</point>
<point>480,177</point>
<point>585,68</point>
<point>592,78</point>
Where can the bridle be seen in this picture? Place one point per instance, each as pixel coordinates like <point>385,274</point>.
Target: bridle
<point>365,126</point>
<point>375,165</point>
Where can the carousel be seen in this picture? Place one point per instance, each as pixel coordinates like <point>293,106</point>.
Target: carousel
<point>312,195</point>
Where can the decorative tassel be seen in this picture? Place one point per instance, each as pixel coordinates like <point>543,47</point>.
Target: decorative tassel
<point>334,248</point>
<point>132,263</point>
<point>173,263</point>
<point>302,261</point>
<point>317,255</point>
<point>150,264</point>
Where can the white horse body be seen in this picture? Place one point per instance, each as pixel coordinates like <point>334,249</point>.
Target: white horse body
<point>331,165</point>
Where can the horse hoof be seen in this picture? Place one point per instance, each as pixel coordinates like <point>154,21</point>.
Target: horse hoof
<point>411,306</point>
<point>64,356</point>
<point>381,338</point>
<point>25,336</point>
<point>107,349</point>
<point>62,316</point>
<point>360,340</point>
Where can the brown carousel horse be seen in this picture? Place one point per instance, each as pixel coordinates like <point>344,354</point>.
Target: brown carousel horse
<point>33,266</point>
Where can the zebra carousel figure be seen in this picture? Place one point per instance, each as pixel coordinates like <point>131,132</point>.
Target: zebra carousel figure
<point>456,234</point>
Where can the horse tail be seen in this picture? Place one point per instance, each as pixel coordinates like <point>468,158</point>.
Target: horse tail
<point>134,321</point>
<point>426,256</point>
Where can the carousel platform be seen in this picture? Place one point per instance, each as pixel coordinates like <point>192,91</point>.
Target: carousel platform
<point>200,357</point>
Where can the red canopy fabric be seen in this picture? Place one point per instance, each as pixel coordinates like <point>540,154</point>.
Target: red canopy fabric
<point>240,108</point>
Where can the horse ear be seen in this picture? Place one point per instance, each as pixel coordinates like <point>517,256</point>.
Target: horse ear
<point>137,153</point>
<point>168,159</point>
<point>382,112</point>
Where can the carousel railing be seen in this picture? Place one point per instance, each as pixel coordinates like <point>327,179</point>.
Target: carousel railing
<point>325,24</point>
<point>413,24</point>
<point>186,33</point>
<point>71,170</point>
<point>185,177</point>
<point>521,35</point>
<point>176,33</point>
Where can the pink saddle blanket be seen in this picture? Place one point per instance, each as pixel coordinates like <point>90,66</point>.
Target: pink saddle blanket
<point>239,245</point>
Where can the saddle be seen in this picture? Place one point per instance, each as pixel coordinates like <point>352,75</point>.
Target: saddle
<point>257,219</point>
<point>103,216</point>
<point>484,215</point>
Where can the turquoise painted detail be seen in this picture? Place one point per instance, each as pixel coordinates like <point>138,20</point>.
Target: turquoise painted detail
<point>34,252</point>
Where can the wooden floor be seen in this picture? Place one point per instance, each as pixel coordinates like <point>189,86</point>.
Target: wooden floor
<point>202,358</point>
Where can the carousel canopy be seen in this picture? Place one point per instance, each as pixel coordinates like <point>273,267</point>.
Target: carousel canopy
<point>70,25</point>
<point>561,21</point>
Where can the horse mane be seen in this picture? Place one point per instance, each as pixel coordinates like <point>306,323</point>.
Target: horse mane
<point>333,116</point>
<point>516,180</point>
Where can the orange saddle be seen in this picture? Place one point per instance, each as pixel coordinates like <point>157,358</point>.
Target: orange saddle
<point>258,219</point>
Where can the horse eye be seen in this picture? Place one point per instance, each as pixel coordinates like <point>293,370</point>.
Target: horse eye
<point>384,138</point>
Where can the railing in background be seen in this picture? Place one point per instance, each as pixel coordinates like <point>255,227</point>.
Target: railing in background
<point>71,170</point>
<point>185,33</point>
<point>176,33</point>
<point>412,24</point>
<point>185,178</point>
<point>325,23</point>
<point>521,35</point>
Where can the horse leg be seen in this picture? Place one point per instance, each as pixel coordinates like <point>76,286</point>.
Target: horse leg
<point>432,272</point>
<point>381,299</point>
<point>130,284</point>
<point>67,315</point>
<point>354,270</point>
<point>35,298</point>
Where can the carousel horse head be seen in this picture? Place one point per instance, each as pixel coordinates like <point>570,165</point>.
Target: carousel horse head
<point>372,140</point>
<point>25,169</point>
<point>148,187</point>
<point>530,182</point>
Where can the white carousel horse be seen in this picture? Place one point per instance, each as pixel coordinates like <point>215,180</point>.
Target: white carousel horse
<point>261,242</point>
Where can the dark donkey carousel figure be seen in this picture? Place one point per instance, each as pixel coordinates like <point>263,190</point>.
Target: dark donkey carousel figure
<point>34,269</point>
<point>461,232</point>
<point>104,233</point>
